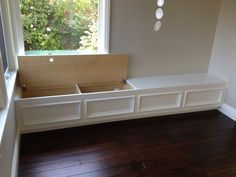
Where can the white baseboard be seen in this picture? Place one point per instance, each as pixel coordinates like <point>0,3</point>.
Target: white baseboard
<point>228,111</point>
<point>14,170</point>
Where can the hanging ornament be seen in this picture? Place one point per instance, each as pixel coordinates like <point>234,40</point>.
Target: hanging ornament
<point>157,26</point>
<point>159,15</point>
<point>160,3</point>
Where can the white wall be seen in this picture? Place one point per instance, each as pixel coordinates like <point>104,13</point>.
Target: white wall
<point>8,143</point>
<point>183,45</point>
<point>223,61</point>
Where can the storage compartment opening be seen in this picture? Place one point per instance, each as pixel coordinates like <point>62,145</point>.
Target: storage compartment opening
<point>105,87</point>
<point>49,91</point>
<point>40,78</point>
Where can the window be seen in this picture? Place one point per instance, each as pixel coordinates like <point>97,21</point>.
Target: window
<point>3,55</point>
<point>65,26</point>
<point>3,67</point>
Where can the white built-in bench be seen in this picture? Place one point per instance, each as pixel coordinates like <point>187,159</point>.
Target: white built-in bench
<point>144,97</point>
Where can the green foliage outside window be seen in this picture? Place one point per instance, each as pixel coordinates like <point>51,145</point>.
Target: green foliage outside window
<point>60,24</point>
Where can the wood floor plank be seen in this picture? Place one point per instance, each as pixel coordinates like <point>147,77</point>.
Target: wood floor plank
<point>187,145</point>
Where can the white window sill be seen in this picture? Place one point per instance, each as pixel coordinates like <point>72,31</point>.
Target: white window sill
<point>10,84</point>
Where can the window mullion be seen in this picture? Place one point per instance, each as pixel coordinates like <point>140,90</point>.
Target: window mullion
<point>3,90</point>
<point>104,26</point>
<point>17,28</point>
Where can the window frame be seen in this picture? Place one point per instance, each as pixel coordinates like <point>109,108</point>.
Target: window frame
<point>4,72</point>
<point>10,46</point>
<point>104,26</point>
<point>3,52</point>
<point>11,18</point>
<point>104,7</point>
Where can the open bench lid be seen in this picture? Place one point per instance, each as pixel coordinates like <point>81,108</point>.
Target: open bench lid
<point>53,70</point>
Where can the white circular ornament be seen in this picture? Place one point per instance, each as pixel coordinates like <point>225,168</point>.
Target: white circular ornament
<point>157,26</point>
<point>160,3</point>
<point>159,13</point>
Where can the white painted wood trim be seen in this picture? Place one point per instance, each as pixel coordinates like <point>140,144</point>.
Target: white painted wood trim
<point>49,104</point>
<point>118,118</point>
<point>17,28</point>
<point>48,121</point>
<point>228,111</point>
<point>201,103</point>
<point>8,34</point>
<point>15,161</point>
<point>104,26</point>
<point>107,26</point>
<point>3,89</point>
<point>111,113</point>
<point>178,101</point>
<point>4,113</point>
<point>103,31</point>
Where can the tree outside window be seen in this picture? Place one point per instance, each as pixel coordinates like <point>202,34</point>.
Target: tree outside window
<point>60,25</point>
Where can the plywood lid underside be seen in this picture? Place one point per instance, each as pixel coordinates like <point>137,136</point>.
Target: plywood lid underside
<point>37,71</point>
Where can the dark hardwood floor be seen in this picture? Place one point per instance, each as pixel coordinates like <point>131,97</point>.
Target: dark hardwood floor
<point>187,145</point>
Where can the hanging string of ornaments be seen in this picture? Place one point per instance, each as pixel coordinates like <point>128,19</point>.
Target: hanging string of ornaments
<point>159,14</point>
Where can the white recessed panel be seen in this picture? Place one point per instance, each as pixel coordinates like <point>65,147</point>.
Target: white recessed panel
<point>109,106</point>
<point>160,101</point>
<point>50,113</point>
<point>203,97</point>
